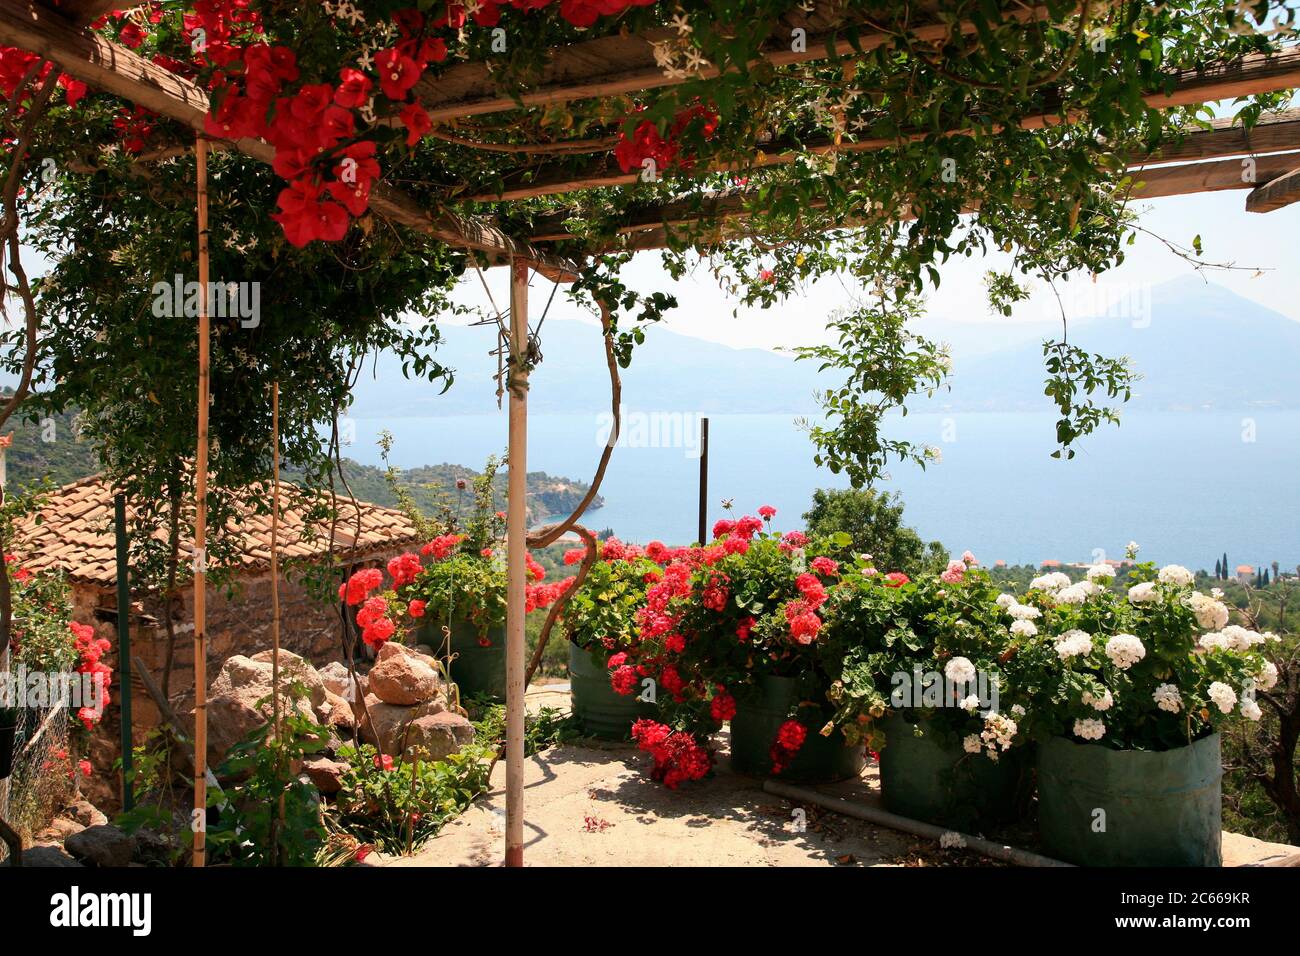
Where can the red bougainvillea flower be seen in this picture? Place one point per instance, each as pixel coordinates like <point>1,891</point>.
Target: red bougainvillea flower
<point>896,579</point>
<point>353,90</point>
<point>73,89</point>
<point>397,73</point>
<point>416,121</point>
<point>416,608</point>
<point>305,216</point>
<point>132,36</point>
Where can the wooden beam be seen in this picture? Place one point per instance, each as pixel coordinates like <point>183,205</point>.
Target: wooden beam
<point>618,65</point>
<point>1250,75</point>
<point>1182,180</point>
<point>115,69</point>
<point>81,13</point>
<point>1276,193</point>
<point>1273,133</point>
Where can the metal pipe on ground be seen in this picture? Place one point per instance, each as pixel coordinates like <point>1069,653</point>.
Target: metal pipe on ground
<point>995,851</point>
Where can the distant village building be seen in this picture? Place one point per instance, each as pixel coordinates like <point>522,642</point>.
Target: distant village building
<point>1245,574</point>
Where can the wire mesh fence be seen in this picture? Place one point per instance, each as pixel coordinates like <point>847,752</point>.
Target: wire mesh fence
<point>42,774</point>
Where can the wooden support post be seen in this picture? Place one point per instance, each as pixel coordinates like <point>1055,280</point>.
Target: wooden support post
<point>704,480</point>
<point>200,817</point>
<point>516,568</point>
<point>124,645</point>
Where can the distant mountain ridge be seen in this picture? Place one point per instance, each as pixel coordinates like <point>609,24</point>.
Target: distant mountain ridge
<point>1200,347</point>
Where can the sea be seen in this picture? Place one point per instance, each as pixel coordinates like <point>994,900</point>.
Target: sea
<point>1187,487</point>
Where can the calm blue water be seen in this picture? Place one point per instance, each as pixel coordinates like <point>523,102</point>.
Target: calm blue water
<point>1187,487</point>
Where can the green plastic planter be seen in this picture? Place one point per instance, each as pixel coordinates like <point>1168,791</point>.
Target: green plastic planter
<point>1103,807</point>
<point>477,670</point>
<point>603,712</point>
<point>942,784</point>
<point>753,731</point>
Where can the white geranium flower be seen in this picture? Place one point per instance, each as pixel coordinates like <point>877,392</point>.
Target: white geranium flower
<point>1214,641</point>
<point>1052,581</point>
<point>1241,638</point>
<point>1089,729</point>
<point>1125,650</point>
<point>1075,593</point>
<point>959,670</point>
<point>1210,614</point>
<point>1023,629</point>
<point>970,704</point>
<point>971,743</point>
<point>1250,710</point>
<point>1267,677</point>
<point>1224,697</point>
<point>1175,574</point>
<point>1019,711</point>
<point>1131,550</point>
<point>1073,643</point>
<point>1101,572</point>
<point>1168,698</point>
<point>1006,601</point>
<point>952,840</point>
<point>1024,612</point>
<point>1143,593</point>
<point>1103,703</point>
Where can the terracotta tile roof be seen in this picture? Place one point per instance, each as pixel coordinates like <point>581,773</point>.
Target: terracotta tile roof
<point>75,533</point>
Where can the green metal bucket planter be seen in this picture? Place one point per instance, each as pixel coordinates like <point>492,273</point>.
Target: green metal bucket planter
<point>925,779</point>
<point>1103,807</point>
<point>603,712</point>
<point>477,670</point>
<point>753,731</point>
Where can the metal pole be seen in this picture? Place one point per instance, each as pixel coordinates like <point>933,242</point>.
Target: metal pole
<point>517,548</point>
<point>704,480</point>
<point>124,646</point>
<point>198,821</point>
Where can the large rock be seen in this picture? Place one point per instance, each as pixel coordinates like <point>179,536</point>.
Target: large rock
<point>336,713</point>
<point>239,700</point>
<point>436,736</point>
<point>404,677</point>
<point>335,677</point>
<point>326,775</point>
<point>53,856</point>
<point>85,813</point>
<point>386,726</point>
<point>101,846</point>
<point>60,829</point>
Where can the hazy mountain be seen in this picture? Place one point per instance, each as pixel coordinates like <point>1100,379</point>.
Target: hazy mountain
<point>1198,346</point>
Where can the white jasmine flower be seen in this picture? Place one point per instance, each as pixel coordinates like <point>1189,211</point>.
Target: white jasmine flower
<point>1023,629</point>
<point>1125,650</point>
<point>1143,593</point>
<point>1089,729</point>
<point>1223,696</point>
<point>1168,698</point>
<point>1104,702</point>
<point>971,743</point>
<point>959,670</point>
<point>1073,643</point>
<point>1175,574</point>
<point>1250,710</point>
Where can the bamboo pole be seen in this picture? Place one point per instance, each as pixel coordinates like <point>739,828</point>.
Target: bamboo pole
<point>275,596</point>
<point>516,549</point>
<point>199,820</point>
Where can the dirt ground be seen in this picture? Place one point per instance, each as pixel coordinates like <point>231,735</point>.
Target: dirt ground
<point>593,804</point>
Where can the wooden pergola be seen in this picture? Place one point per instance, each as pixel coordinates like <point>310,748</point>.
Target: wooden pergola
<point>1264,160</point>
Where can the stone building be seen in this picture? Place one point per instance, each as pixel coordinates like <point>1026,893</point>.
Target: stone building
<point>76,536</point>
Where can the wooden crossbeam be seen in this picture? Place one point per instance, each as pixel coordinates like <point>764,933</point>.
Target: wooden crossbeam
<point>115,69</point>
<point>1244,77</point>
<point>651,228</point>
<point>617,65</point>
<point>1276,193</point>
<point>82,13</point>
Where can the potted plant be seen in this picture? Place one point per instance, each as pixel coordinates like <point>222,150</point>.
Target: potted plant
<point>732,632</point>
<point>923,667</point>
<point>600,623</point>
<point>1128,687</point>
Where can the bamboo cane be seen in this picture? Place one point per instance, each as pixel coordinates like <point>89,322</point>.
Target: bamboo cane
<point>517,548</point>
<point>275,593</point>
<point>199,821</point>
